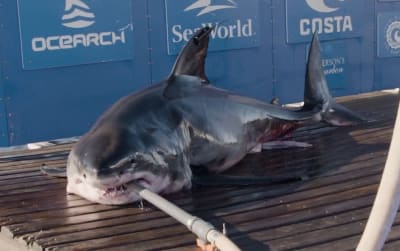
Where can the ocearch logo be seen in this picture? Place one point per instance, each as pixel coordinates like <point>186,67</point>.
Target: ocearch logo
<point>77,14</point>
<point>327,24</point>
<point>206,6</point>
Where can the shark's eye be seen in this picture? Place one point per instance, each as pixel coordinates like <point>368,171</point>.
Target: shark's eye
<point>84,175</point>
<point>132,161</point>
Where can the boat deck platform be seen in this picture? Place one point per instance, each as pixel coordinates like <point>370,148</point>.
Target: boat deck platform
<point>327,210</point>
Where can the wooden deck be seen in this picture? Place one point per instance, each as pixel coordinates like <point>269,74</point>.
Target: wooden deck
<point>325,212</point>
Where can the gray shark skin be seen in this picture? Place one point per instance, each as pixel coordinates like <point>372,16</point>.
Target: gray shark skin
<point>155,137</point>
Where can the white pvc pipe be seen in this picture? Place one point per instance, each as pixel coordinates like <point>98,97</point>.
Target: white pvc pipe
<point>387,199</point>
<point>204,230</point>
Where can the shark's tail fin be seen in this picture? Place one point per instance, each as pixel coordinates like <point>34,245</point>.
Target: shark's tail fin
<point>317,96</point>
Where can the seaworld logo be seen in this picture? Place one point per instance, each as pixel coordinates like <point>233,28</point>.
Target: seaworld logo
<point>325,25</point>
<point>78,15</point>
<point>234,30</point>
<point>207,7</point>
<point>235,23</point>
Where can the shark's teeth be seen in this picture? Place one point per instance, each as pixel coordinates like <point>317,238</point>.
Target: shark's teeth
<point>115,191</point>
<point>120,190</point>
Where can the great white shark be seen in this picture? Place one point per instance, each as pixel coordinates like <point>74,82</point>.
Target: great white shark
<point>158,136</point>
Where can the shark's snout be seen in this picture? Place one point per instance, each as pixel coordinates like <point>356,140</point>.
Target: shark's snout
<point>111,185</point>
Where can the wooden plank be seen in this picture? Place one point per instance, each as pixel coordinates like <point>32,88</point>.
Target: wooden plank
<point>182,242</point>
<point>350,176</point>
<point>59,192</point>
<point>28,180</point>
<point>261,193</point>
<point>325,209</point>
<point>16,165</point>
<point>350,243</point>
<point>309,239</point>
<point>334,181</point>
<point>233,219</point>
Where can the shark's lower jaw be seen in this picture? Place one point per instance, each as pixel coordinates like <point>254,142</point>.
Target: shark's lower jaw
<point>112,195</point>
<point>108,196</point>
<point>123,193</point>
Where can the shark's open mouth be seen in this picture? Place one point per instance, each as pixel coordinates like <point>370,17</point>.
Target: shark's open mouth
<point>116,191</point>
<point>120,189</point>
<point>123,189</point>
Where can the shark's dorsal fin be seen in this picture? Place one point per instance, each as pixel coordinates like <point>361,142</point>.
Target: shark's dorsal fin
<point>191,59</point>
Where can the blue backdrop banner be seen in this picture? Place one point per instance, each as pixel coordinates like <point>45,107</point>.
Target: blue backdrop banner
<point>388,35</point>
<point>71,32</point>
<point>335,63</point>
<point>332,19</point>
<point>235,23</point>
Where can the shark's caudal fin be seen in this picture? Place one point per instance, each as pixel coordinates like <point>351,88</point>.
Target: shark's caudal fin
<point>191,59</point>
<point>317,96</point>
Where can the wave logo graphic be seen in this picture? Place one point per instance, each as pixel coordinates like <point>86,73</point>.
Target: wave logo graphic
<point>393,35</point>
<point>206,6</point>
<point>321,6</point>
<point>77,15</point>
